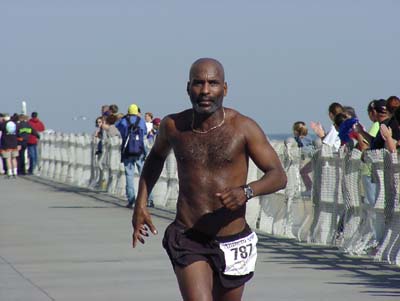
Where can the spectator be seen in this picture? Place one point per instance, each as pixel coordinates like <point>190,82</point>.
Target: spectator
<point>384,118</point>
<point>105,110</point>
<point>109,126</point>
<point>99,135</point>
<point>330,138</point>
<point>113,109</point>
<point>131,161</point>
<point>3,169</point>
<point>378,114</point>
<point>344,124</point>
<point>9,144</point>
<point>148,117</point>
<point>367,137</point>
<point>386,132</point>
<point>39,127</point>
<point>151,136</point>
<point>25,130</point>
<point>392,103</point>
<point>349,111</point>
<point>300,133</point>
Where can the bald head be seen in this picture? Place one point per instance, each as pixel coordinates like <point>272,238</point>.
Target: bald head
<point>203,63</point>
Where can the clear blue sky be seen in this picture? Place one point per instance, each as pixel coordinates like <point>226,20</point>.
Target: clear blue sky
<point>284,60</point>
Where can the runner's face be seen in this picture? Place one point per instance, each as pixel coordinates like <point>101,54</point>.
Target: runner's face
<point>206,88</point>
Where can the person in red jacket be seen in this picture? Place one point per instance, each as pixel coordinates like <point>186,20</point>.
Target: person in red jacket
<point>38,125</point>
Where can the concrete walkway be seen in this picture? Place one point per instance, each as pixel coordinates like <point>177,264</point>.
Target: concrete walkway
<point>63,243</point>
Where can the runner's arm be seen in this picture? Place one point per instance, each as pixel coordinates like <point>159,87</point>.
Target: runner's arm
<point>141,220</point>
<point>266,159</point>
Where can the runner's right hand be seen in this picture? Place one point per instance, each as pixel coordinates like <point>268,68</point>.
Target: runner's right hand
<point>141,223</point>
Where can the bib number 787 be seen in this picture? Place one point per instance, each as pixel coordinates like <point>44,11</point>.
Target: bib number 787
<point>242,251</point>
<point>240,255</point>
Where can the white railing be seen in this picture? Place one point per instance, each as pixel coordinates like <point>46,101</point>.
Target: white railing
<point>336,201</point>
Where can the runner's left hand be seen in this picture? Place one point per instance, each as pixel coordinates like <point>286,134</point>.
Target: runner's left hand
<point>232,198</point>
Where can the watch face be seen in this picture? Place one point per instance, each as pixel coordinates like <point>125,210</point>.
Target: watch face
<point>248,192</point>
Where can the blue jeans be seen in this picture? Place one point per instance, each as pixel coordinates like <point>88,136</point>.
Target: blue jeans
<point>32,155</point>
<point>371,192</point>
<point>129,164</point>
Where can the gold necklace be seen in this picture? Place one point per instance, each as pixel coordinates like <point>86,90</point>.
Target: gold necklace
<point>209,130</point>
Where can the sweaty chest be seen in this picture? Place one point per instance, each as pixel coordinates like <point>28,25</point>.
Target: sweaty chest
<point>213,151</point>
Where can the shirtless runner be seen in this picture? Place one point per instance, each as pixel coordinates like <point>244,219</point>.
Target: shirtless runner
<point>210,245</point>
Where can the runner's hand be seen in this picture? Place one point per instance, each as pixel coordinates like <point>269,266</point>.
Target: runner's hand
<point>142,224</point>
<point>232,198</point>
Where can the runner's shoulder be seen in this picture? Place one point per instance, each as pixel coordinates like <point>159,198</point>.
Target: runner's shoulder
<point>239,120</point>
<point>177,121</point>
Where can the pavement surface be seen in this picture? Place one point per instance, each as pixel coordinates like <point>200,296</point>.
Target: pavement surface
<point>59,242</point>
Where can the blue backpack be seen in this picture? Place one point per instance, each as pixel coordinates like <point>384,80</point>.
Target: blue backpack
<point>134,143</point>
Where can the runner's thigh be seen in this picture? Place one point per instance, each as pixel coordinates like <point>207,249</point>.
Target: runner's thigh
<point>225,294</point>
<point>195,281</point>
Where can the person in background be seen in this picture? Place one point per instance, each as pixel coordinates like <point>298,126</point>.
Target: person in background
<point>131,161</point>
<point>369,187</point>
<point>109,127</point>
<point>113,109</point>
<point>105,110</point>
<point>9,146</point>
<point>349,111</point>
<point>392,103</point>
<point>151,136</point>
<point>330,138</point>
<point>39,127</point>
<point>300,133</point>
<point>345,125</point>
<point>25,130</point>
<point>148,117</point>
<point>384,117</point>
<point>3,168</point>
<point>99,135</point>
<point>386,132</point>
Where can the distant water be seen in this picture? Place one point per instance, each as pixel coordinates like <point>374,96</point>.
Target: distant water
<point>283,137</point>
<point>280,137</point>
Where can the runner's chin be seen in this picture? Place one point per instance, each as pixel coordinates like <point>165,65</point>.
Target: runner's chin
<point>205,107</point>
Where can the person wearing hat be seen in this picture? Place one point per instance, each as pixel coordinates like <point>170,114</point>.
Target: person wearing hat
<point>384,118</point>
<point>151,135</point>
<point>131,161</point>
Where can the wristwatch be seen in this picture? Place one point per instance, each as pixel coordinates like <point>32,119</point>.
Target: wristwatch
<point>248,192</point>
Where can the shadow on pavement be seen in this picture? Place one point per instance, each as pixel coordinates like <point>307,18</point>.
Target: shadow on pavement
<point>380,279</point>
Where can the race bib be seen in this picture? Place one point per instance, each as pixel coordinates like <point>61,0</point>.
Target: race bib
<point>240,255</point>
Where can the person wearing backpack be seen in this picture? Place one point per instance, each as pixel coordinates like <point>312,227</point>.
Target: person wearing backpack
<point>133,130</point>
